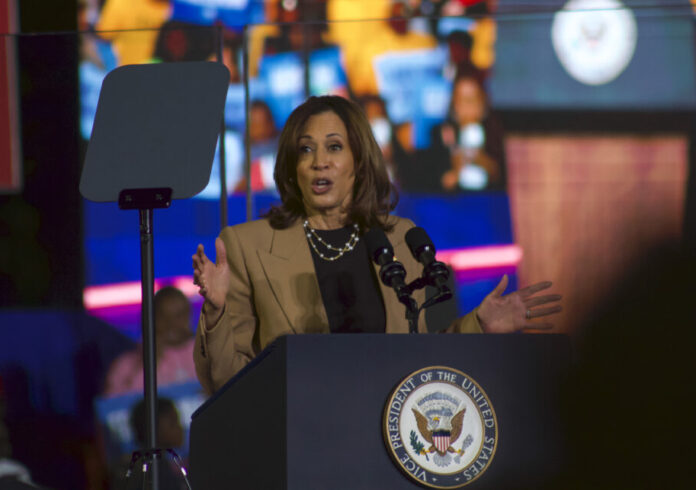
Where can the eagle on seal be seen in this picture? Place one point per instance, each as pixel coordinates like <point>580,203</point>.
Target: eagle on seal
<point>440,431</point>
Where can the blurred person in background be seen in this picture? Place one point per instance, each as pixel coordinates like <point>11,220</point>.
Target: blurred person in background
<point>388,137</point>
<point>184,41</point>
<point>302,26</point>
<point>362,42</point>
<point>263,137</point>
<point>170,435</point>
<point>174,338</point>
<point>472,139</point>
<point>132,27</point>
<point>13,474</point>
<point>474,47</point>
<point>290,26</point>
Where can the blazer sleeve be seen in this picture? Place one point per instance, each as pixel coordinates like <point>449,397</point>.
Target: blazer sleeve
<point>468,323</point>
<point>221,350</point>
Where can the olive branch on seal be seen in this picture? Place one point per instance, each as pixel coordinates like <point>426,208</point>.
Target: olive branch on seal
<point>418,446</point>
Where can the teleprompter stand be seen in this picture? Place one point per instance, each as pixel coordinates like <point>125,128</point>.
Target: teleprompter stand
<point>153,140</point>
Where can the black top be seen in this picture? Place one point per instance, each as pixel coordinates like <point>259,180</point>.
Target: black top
<point>348,285</point>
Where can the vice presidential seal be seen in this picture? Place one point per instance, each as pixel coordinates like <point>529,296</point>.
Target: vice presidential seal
<point>440,427</point>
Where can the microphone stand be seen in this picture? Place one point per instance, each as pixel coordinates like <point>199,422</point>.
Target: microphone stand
<point>412,312</point>
<point>393,274</point>
<point>435,273</point>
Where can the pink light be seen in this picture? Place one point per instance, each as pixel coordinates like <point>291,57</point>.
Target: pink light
<point>125,293</point>
<point>130,293</point>
<point>491,257</point>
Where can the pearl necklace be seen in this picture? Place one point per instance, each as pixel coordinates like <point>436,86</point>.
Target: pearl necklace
<point>350,244</point>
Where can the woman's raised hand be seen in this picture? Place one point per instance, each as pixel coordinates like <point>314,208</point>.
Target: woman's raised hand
<point>514,311</point>
<point>212,279</point>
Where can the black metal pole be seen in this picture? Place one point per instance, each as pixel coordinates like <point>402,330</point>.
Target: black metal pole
<point>223,153</point>
<point>306,48</point>
<point>412,313</point>
<point>247,112</point>
<point>147,265</point>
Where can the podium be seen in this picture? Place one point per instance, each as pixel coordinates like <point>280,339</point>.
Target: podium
<point>308,412</point>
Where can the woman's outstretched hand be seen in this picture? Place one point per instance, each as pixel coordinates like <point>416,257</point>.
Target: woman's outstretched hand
<point>515,311</point>
<point>212,279</point>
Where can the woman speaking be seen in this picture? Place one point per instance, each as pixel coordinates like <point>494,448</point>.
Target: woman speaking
<point>304,267</point>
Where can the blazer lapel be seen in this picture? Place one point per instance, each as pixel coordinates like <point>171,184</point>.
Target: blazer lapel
<point>289,269</point>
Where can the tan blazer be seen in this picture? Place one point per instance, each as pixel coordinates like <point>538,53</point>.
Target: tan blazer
<point>274,291</point>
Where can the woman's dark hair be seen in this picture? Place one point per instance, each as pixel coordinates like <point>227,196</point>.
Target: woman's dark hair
<point>260,104</point>
<point>167,292</point>
<point>374,197</point>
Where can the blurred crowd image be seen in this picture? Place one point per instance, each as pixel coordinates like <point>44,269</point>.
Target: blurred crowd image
<point>295,48</point>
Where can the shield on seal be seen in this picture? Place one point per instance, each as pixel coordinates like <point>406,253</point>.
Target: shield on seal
<point>441,439</point>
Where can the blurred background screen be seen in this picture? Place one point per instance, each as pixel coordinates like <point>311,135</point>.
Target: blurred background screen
<point>446,86</point>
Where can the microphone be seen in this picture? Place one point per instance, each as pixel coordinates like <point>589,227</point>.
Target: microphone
<point>392,273</point>
<point>435,273</point>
